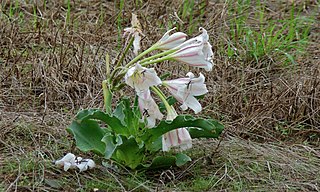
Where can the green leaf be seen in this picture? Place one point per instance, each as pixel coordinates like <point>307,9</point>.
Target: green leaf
<point>182,159</point>
<point>159,162</point>
<point>155,145</point>
<point>164,162</point>
<point>111,142</point>
<point>129,116</point>
<point>204,128</point>
<point>112,121</point>
<point>130,153</point>
<point>88,135</point>
<point>207,133</point>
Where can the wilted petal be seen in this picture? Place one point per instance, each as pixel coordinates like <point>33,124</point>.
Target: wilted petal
<point>68,161</point>
<point>136,43</point>
<point>85,164</point>
<point>69,157</point>
<point>134,21</point>
<point>185,90</point>
<point>207,48</point>
<point>148,108</point>
<point>141,78</point>
<point>170,41</point>
<point>135,32</point>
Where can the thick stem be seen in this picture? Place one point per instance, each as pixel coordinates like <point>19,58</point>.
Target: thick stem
<point>157,55</point>
<point>125,52</point>
<point>152,48</point>
<point>107,96</point>
<point>156,60</point>
<point>161,96</point>
<point>124,70</point>
<point>117,66</point>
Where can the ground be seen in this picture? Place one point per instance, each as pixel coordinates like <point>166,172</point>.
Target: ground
<point>264,87</point>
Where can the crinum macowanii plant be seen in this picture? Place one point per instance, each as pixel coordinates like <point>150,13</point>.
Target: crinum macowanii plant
<point>136,131</point>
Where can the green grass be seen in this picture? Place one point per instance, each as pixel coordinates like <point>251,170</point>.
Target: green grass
<point>191,16</point>
<point>269,38</point>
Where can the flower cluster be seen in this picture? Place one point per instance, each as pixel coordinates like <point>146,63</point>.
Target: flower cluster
<point>70,161</point>
<point>196,52</point>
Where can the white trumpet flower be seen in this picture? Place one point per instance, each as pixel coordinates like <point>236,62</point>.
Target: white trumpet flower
<point>148,108</point>
<point>196,52</point>
<point>185,90</point>
<point>176,138</point>
<point>141,78</point>
<point>170,41</point>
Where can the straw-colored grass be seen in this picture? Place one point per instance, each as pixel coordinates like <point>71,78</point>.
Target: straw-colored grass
<point>52,62</point>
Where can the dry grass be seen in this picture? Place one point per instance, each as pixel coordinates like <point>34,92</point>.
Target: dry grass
<point>51,66</point>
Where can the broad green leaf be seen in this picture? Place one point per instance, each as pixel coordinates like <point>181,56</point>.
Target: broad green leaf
<point>155,145</point>
<point>130,153</point>
<point>160,162</point>
<point>88,135</point>
<point>111,142</point>
<point>112,121</point>
<point>201,133</point>
<point>128,115</point>
<point>207,128</point>
<point>182,159</point>
<point>118,112</point>
<point>164,162</point>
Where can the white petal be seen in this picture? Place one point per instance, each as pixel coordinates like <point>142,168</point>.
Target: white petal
<point>82,166</point>
<point>90,163</point>
<point>193,56</point>
<point>66,166</point>
<point>70,158</point>
<point>166,35</point>
<point>151,122</point>
<point>176,138</point>
<point>136,43</point>
<point>148,107</point>
<point>196,51</point>
<point>198,89</point>
<point>85,164</point>
<point>207,51</point>
<point>171,41</point>
<point>190,75</point>
<point>184,106</point>
<point>141,78</point>
<point>184,90</point>
<point>185,139</point>
<point>170,140</point>
<point>165,146</point>
<point>204,34</point>
<point>193,104</point>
